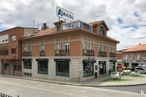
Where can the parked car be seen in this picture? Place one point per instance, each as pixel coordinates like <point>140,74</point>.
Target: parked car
<point>140,69</point>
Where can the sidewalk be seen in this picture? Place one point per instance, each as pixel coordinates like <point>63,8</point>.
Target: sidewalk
<point>129,81</point>
<point>93,82</point>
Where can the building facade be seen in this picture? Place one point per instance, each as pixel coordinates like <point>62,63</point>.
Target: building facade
<point>74,51</point>
<point>135,56</point>
<point>10,50</point>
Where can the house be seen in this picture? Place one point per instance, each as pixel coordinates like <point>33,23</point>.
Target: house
<point>135,55</point>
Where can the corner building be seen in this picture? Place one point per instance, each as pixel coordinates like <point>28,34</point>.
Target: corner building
<point>74,51</point>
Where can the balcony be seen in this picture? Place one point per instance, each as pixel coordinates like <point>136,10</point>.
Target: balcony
<point>112,54</point>
<point>78,24</point>
<point>88,52</point>
<point>4,50</point>
<point>102,54</point>
<point>27,54</point>
<point>42,53</point>
<point>61,52</point>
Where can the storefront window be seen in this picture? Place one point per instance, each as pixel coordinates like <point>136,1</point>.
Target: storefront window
<point>17,67</point>
<point>6,66</point>
<point>62,68</point>
<point>42,66</point>
<point>27,64</point>
<point>88,69</point>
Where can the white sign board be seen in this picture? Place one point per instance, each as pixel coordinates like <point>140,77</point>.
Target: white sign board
<point>62,13</point>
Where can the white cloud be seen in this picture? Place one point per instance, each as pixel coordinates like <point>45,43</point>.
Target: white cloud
<point>131,12</point>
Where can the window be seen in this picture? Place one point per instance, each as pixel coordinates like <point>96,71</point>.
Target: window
<point>13,51</point>
<point>138,57</point>
<point>83,45</point>
<point>27,74</point>
<point>6,66</point>
<point>27,47</point>
<point>27,64</point>
<point>102,48</point>
<point>62,68</point>
<point>102,30</point>
<point>88,69</point>
<point>66,47</point>
<point>58,46</point>
<point>17,67</point>
<point>42,66</point>
<point>144,55</point>
<point>13,37</point>
<point>42,45</point>
<point>126,57</point>
<point>91,46</point>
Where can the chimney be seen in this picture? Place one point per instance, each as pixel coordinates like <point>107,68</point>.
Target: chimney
<point>44,26</point>
<point>59,25</point>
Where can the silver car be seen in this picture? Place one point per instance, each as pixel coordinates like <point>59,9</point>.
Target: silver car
<point>141,69</point>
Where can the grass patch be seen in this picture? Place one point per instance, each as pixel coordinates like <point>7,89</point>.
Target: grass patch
<point>115,80</point>
<point>139,75</point>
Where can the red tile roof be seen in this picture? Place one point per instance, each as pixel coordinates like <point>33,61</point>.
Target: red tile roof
<point>99,23</point>
<point>139,47</point>
<point>45,32</point>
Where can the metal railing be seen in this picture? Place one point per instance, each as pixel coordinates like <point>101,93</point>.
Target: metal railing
<point>102,54</point>
<point>112,54</point>
<point>61,52</point>
<point>28,53</point>
<point>88,52</point>
<point>42,53</point>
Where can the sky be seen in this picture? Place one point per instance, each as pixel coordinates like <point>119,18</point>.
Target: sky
<point>126,19</point>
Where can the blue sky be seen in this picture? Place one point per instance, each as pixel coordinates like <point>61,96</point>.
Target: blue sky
<point>126,19</point>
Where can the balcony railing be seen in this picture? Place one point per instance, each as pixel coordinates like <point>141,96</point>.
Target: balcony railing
<point>61,52</point>
<point>42,53</point>
<point>88,52</point>
<point>78,24</point>
<point>4,49</point>
<point>28,53</point>
<point>102,54</point>
<point>4,52</point>
<point>112,54</point>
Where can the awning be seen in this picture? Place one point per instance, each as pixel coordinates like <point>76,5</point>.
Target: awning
<point>27,59</point>
<point>42,59</point>
<point>89,60</point>
<point>61,60</point>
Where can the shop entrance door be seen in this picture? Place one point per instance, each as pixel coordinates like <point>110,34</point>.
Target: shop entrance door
<point>102,67</point>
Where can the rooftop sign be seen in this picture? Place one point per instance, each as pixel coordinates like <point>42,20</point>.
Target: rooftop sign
<point>62,13</point>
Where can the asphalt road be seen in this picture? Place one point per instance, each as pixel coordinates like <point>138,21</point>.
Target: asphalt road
<point>27,88</point>
<point>134,89</point>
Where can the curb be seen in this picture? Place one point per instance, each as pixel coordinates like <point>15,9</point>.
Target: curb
<point>72,84</point>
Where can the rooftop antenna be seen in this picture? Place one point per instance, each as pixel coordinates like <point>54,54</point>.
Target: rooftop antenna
<point>33,25</point>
